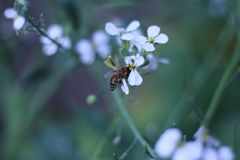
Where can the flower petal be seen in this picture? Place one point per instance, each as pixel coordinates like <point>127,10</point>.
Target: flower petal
<point>10,13</point>
<point>153,31</point>
<point>55,31</point>
<point>103,50</point>
<point>19,23</point>
<point>139,60</point>
<point>100,38</point>
<point>129,59</point>
<point>134,78</point>
<point>180,154</point>
<point>209,154</point>
<point>153,61</point>
<point>124,87</point>
<point>164,60</point>
<point>225,153</point>
<point>140,39</point>
<point>127,37</point>
<point>132,26</point>
<point>161,38</point>
<point>85,50</point>
<point>45,40</point>
<point>168,142</point>
<point>50,49</point>
<point>112,29</point>
<point>148,47</point>
<point>65,42</point>
<point>193,149</point>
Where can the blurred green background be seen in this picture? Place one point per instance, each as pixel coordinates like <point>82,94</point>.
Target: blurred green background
<point>43,110</point>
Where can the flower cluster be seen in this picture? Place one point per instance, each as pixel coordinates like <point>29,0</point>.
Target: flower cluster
<point>203,147</point>
<point>140,49</point>
<point>134,36</point>
<point>99,44</point>
<point>18,20</point>
<point>55,32</point>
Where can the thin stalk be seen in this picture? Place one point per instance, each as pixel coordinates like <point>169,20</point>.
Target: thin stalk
<point>103,140</point>
<point>221,86</point>
<point>123,156</point>
<point>42,32</point>
<point>121,107</point>
<point>185,102</point>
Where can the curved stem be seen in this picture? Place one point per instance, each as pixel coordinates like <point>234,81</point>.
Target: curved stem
<point>222,84</point>
<point>103,140</point>
<point>41,31</point>
<point>121,107</point>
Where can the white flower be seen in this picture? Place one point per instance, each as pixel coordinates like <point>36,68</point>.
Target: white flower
<point>168,142</point>
<point>136,40</point>
<point>18,20</point>
<point>55,32</point>
<point>125,34</point>
<point>153,61</point>
<point>124,87</point>
<point>225,153</point>
<point>202,136</point>
<point>134,78</point>
<point>101,43</point>
<point>189,151</point>
<point>153,36</point>
<point>200,133</point>
<point>209,153</point>
<point>85,50</point>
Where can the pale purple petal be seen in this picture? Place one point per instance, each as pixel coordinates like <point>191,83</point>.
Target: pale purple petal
<point>127,36</point>
<point>132,26</point>
<point>65,42</point>
<point>193,149</point>
<point>209,154</point>
<point>139,60</point>
<point>180,154</point>
<point>168,142</point>
<point>112,29</point>
<point>55,31</point>
<point>100,38</point>
<point>103,50</point>
<point>164,60</point>
<point>225,153</point>
<point>134,78</point>
<point>200,133</point>
<point>18,23</point>
<point>153,61</point>
<point>45,40</point>
<point>124,87</point>
<point>148,47</point>
<point>161,39</point>
<point>85,51</point>
<point>50,49</point>
<point>129,59</point>
<point>153,31</point>
<point>10,13</point>
<point>140,39</point>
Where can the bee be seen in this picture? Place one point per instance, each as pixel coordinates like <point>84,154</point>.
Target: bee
<point>116,76</point>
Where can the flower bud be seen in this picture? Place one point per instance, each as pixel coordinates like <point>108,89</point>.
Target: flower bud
<point>91,99</point>
<point>21,6</point>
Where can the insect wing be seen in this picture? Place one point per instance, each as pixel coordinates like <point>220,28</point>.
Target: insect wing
<point>108,75</point>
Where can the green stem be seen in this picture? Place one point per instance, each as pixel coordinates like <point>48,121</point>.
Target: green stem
<point>121,107</point>
<point>103,140</point>
<point>222,84</point>
<point>185,103</point>
<point>42,32</point>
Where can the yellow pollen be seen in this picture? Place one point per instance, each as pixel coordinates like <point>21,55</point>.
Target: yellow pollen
<point>150,39</point>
